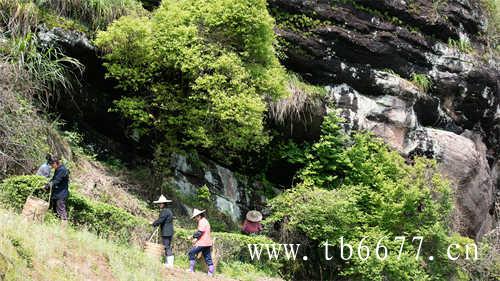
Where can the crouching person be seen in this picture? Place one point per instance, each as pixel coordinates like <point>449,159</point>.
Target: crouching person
<point>59,187</point>
<point>165,221</point>
<point>202,241</point>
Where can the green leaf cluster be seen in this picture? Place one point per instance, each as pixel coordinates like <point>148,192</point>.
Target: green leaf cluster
<point>197,73</point>
<point>15,190</point>
<point>422,81</point>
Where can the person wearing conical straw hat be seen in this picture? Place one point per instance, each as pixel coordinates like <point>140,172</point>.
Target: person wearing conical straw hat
<point>202,241</point>
<point>165,222</point>
<point>252,224</point>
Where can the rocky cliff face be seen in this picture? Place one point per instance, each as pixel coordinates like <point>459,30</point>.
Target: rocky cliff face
<point>233,194</point>
<point>418,73</point>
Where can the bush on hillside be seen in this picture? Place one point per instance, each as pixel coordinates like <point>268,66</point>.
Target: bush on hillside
<point>15,190</point>
<point>355,187</point>
<point>105,220</point>
<point>197,74</point>
<point>101,218</point>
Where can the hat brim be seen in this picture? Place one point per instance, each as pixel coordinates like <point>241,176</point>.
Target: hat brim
<point>159,202</point>
<point>254,217</point>
<point>198,213</point>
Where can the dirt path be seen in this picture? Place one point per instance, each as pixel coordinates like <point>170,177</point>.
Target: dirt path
<point>178,274</point>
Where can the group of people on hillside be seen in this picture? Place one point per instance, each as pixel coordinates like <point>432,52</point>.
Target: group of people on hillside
<point>58,175</point>
<point>202,239</point>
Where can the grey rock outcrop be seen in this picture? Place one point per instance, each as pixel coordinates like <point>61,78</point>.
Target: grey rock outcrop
<point>232,194</point>
<point>371,54</point>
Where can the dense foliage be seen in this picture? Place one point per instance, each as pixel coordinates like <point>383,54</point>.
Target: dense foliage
<point>15,190</point>
<point>197,73</point>
<point>105,220</point>
<point>355,187</point>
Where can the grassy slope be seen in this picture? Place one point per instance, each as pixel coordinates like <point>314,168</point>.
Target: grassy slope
<point>50,252</point>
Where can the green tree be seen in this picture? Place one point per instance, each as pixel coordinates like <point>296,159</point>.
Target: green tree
<point>354,187</point>
<point>197,73</point>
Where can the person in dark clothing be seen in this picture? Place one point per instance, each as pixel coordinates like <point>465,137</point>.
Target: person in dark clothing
<point>165,221</point>
<point>59,185</point>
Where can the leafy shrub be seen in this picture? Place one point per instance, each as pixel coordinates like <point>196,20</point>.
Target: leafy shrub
<point>197,73</point>
<point>355,187</point>
<point>203,194</point>
<point>103,219</point>
<point>15,190</point>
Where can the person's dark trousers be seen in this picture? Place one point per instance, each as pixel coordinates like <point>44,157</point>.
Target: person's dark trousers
<point>207,254</point>
<point>167,242</point>
<point>59,208</point>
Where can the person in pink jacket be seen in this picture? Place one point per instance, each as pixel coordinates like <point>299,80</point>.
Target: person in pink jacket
<point>202,241</point>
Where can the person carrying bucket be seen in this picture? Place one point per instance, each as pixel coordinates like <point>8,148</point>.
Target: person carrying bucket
<point>59,187</point>
<point>165,221</point>
<point>202,241</point>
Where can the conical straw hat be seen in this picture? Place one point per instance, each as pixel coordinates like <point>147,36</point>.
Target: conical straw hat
<point>197,212</point>
<point>162,199</point>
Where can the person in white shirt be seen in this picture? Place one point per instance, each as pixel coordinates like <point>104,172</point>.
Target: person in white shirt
<point>45,170</point>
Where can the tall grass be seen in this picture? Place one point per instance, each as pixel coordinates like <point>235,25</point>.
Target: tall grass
<point>96,13</point>
<point>22,16</point>
<point>299,106</point>
<point>461,45</point>
<point>18,17</point>
<point>22,131</point>
<point>49,71</point>
<point>422,81</point>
